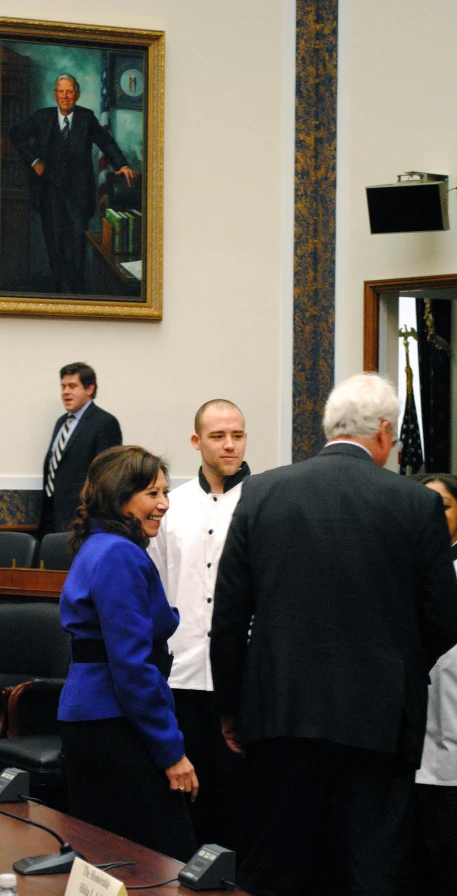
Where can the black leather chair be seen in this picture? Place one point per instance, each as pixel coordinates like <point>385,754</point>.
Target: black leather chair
<point>34,658</point>
<point>18,548</point>
<point>54,553</point>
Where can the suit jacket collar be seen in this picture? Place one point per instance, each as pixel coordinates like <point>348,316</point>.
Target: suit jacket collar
<point>350,449</point>
<point>82,423</point>
<point>79,117</point>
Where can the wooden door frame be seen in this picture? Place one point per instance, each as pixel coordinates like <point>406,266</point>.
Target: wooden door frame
<point>372,290</point>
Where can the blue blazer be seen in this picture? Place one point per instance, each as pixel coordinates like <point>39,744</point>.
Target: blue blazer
<point>113,592</point>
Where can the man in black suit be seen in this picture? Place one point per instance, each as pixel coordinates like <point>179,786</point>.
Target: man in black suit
<point>79,435</point>
<point>346,570</point>
<point>56,145</point>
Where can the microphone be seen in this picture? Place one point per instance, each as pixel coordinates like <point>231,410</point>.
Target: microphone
<point>52,863</point>
<point>12,781</point>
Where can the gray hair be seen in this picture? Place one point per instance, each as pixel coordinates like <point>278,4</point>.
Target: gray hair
<point>357,405</point>
<point>69,78</point>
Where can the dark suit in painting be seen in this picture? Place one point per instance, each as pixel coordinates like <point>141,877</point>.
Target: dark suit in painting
<point>95,431</point>
<point>64,195</point>
<point>347,571</point>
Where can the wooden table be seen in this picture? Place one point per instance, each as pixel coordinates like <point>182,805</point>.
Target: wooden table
<point>31,583</point>
<point>18,841</point>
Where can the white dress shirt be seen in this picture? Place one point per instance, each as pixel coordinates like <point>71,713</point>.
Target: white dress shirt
<point>186,551</point>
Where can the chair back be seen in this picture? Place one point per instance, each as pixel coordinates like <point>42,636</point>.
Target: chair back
<point>32,642</point>
<point>20,547</point>
<point>54,552</point>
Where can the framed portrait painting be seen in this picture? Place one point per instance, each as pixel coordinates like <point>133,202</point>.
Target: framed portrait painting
<point>81,170</point>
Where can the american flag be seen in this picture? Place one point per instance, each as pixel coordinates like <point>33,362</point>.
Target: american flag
<point>104,121</point>
<point>410,457</point>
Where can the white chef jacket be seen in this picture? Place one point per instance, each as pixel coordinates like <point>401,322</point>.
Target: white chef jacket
<point>439,758</point>
<point>186,552</point>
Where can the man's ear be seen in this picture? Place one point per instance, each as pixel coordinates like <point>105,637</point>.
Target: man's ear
<point>92,389</point>
<point>195,441</point>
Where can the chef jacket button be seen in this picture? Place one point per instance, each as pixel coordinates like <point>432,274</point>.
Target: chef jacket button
<point>209,600</point>
<point>210,531</point>
<point>209,565</point>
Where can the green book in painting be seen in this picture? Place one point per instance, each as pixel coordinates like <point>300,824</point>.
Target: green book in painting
<point>115,220</point>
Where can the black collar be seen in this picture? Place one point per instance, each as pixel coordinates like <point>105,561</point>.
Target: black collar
<point>230,481</point>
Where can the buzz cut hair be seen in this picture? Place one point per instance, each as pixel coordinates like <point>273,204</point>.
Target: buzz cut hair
<point>214,402</point>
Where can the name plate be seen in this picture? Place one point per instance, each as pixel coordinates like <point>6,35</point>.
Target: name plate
<point>87,880</point>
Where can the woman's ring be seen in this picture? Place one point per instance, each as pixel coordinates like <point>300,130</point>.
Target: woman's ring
<point>182,787</point>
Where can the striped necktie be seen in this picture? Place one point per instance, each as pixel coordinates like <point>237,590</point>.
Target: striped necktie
<point>66,131</point>
<point>57,456</point>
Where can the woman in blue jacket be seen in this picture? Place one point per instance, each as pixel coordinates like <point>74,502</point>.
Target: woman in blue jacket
<point>124,755</point>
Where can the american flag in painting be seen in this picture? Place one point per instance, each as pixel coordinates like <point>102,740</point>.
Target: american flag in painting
<point>104,121</point>
<point>410,457</point>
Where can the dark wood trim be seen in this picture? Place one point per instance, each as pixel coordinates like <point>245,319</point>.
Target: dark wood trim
<point>30,530</point>
<point>31,583</point>
<point>372,290</point>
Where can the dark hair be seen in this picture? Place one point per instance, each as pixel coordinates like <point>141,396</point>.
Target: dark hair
<point>113,477</point>
<point>86,374</point>
<point>449,480</point>
<point>217,402</point>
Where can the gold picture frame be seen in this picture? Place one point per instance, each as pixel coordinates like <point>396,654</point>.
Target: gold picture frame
<point>119,267</point>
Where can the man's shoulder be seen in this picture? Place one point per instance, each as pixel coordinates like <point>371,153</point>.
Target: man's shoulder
<point>99,413</point>
<point>45,111</point>
<point>258,481</point>
<point>188,491</point>
<point>83,112</point>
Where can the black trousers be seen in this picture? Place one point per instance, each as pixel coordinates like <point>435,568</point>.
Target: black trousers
<point>219,812</point>
<point>436,843</point>
<point>328,820</point>
<point>63,229</point>
<point>113,783</point>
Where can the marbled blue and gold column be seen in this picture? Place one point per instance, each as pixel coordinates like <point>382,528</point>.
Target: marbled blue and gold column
<point>315,202</point>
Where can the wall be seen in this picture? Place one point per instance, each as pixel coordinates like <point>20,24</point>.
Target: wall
<point>228,210</point>
<point>397,77</point>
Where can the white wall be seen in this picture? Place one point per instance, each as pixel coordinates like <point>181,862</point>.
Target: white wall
<point>228,248</point>
<point>397,88</point>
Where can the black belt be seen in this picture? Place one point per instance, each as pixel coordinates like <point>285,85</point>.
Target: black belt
<point>89,650</point>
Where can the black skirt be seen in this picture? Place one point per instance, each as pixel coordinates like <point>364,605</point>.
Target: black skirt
<point>114,784</point>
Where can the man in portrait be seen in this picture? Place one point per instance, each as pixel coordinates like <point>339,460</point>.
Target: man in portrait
<point>56,144</point>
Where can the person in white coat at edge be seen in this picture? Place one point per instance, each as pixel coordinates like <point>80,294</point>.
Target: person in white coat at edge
<point>436,780</point>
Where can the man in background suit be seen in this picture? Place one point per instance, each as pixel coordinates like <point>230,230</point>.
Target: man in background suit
<point>347,572</point>
<point>56,144</point>
<point>79,435</point>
